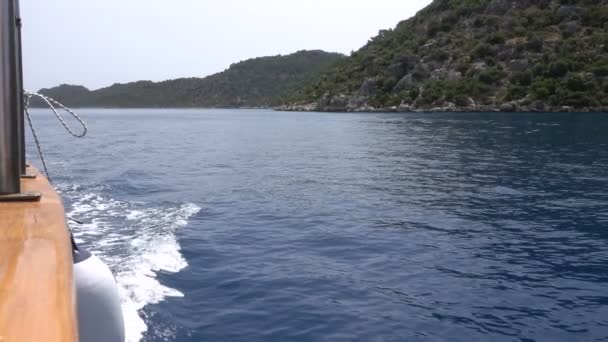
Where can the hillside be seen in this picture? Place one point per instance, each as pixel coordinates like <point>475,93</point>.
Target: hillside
<point>258,82</point>
<point>476,55</point>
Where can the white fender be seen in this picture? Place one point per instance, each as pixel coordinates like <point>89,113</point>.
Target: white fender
<point>99,312</point>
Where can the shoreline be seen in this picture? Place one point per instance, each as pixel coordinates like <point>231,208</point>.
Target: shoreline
<point>505,108</point>
<point>310,108</point>
<point>370,111</point>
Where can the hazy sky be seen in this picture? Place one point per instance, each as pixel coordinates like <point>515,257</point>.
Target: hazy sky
<point>100,42</point>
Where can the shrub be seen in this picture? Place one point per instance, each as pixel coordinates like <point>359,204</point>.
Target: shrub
<point>576,83</point>
<point>579,99</point>
<point>539,69</point>
<point>478,22</point>
<point>496,39</point>
<point>433,91</point>
<point>558,69</point>
<point>523,78</point>
<point>393,101</point>
<point>433,28</point>
<point>461,100</point>
<point>440,55</point>
<point>516,93</point>
<point>472,86</point>
<point>409,95</point>
<point>600,69</point>
<point>463,67</point>
<point>491,75</point>
<point>538,18</point>
<point>595,15</point>
<point>542,88</point>
<point>413,94</point>
<point>483,50</point>
<point>535,44</point>
<point>380,100</point>
<point>387,84</point>
<point>519,31</point>
<point>465,8</point>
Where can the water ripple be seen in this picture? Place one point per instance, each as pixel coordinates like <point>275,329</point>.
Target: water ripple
<point>348,227</point>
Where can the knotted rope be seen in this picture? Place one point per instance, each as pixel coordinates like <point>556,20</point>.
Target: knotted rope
<point>51,103</point>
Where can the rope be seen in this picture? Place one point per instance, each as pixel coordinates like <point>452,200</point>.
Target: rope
<point>51,103</point>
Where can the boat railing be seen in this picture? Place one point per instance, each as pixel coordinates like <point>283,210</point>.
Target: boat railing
<point>37,297</point>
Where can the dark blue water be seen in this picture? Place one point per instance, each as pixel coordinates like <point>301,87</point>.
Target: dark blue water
<point>266,226</point>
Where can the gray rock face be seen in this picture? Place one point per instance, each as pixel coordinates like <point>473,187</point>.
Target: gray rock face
<point>568,12</point>
<point>538,106</point>
<point>405,107</point>
<point>333,103</point>
<point>408,62</point>
<point>432,65</point>
<point>508,107</point>
<point>356,103</point>
<point>413,79</point>
<point>406,82</point>
<point>299,107</point>
<point>420,72</point>
<point>509,25</point>
<point>499,7</point>
<point>369,87</point>
<point>518,65</point>
<point>443,74</point>
<point>472,102</point>
<point>396,70</point>
<point>479,66</point>
<point>572,27</point>
<point>454,75</point>
<point>505,54</point>
<point>438,74</point>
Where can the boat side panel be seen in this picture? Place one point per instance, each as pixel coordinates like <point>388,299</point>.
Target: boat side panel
<point>37,298</point>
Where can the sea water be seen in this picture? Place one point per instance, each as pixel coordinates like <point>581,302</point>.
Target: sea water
<point>254,225</point>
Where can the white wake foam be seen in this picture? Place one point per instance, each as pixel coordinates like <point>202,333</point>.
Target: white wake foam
<point>135,241</point>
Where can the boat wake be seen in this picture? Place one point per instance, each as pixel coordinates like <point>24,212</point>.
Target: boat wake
<point>136,240</point>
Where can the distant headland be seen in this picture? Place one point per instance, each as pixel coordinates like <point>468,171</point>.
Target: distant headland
<point>262,82</point>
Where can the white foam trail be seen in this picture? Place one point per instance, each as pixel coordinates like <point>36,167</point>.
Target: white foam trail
<point>135,241</point>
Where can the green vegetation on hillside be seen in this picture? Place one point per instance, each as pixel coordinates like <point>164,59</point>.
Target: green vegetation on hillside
<point>258,82</point>
<point>476,55</point>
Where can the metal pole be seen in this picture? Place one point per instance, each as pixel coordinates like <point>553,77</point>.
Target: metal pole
<point>10,182</point>
<point>19,71</point>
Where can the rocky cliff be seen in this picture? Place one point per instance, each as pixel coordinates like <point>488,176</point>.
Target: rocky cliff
<point>475,55</point>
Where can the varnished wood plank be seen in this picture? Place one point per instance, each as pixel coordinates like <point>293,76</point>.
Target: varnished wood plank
<point>37,298</point>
